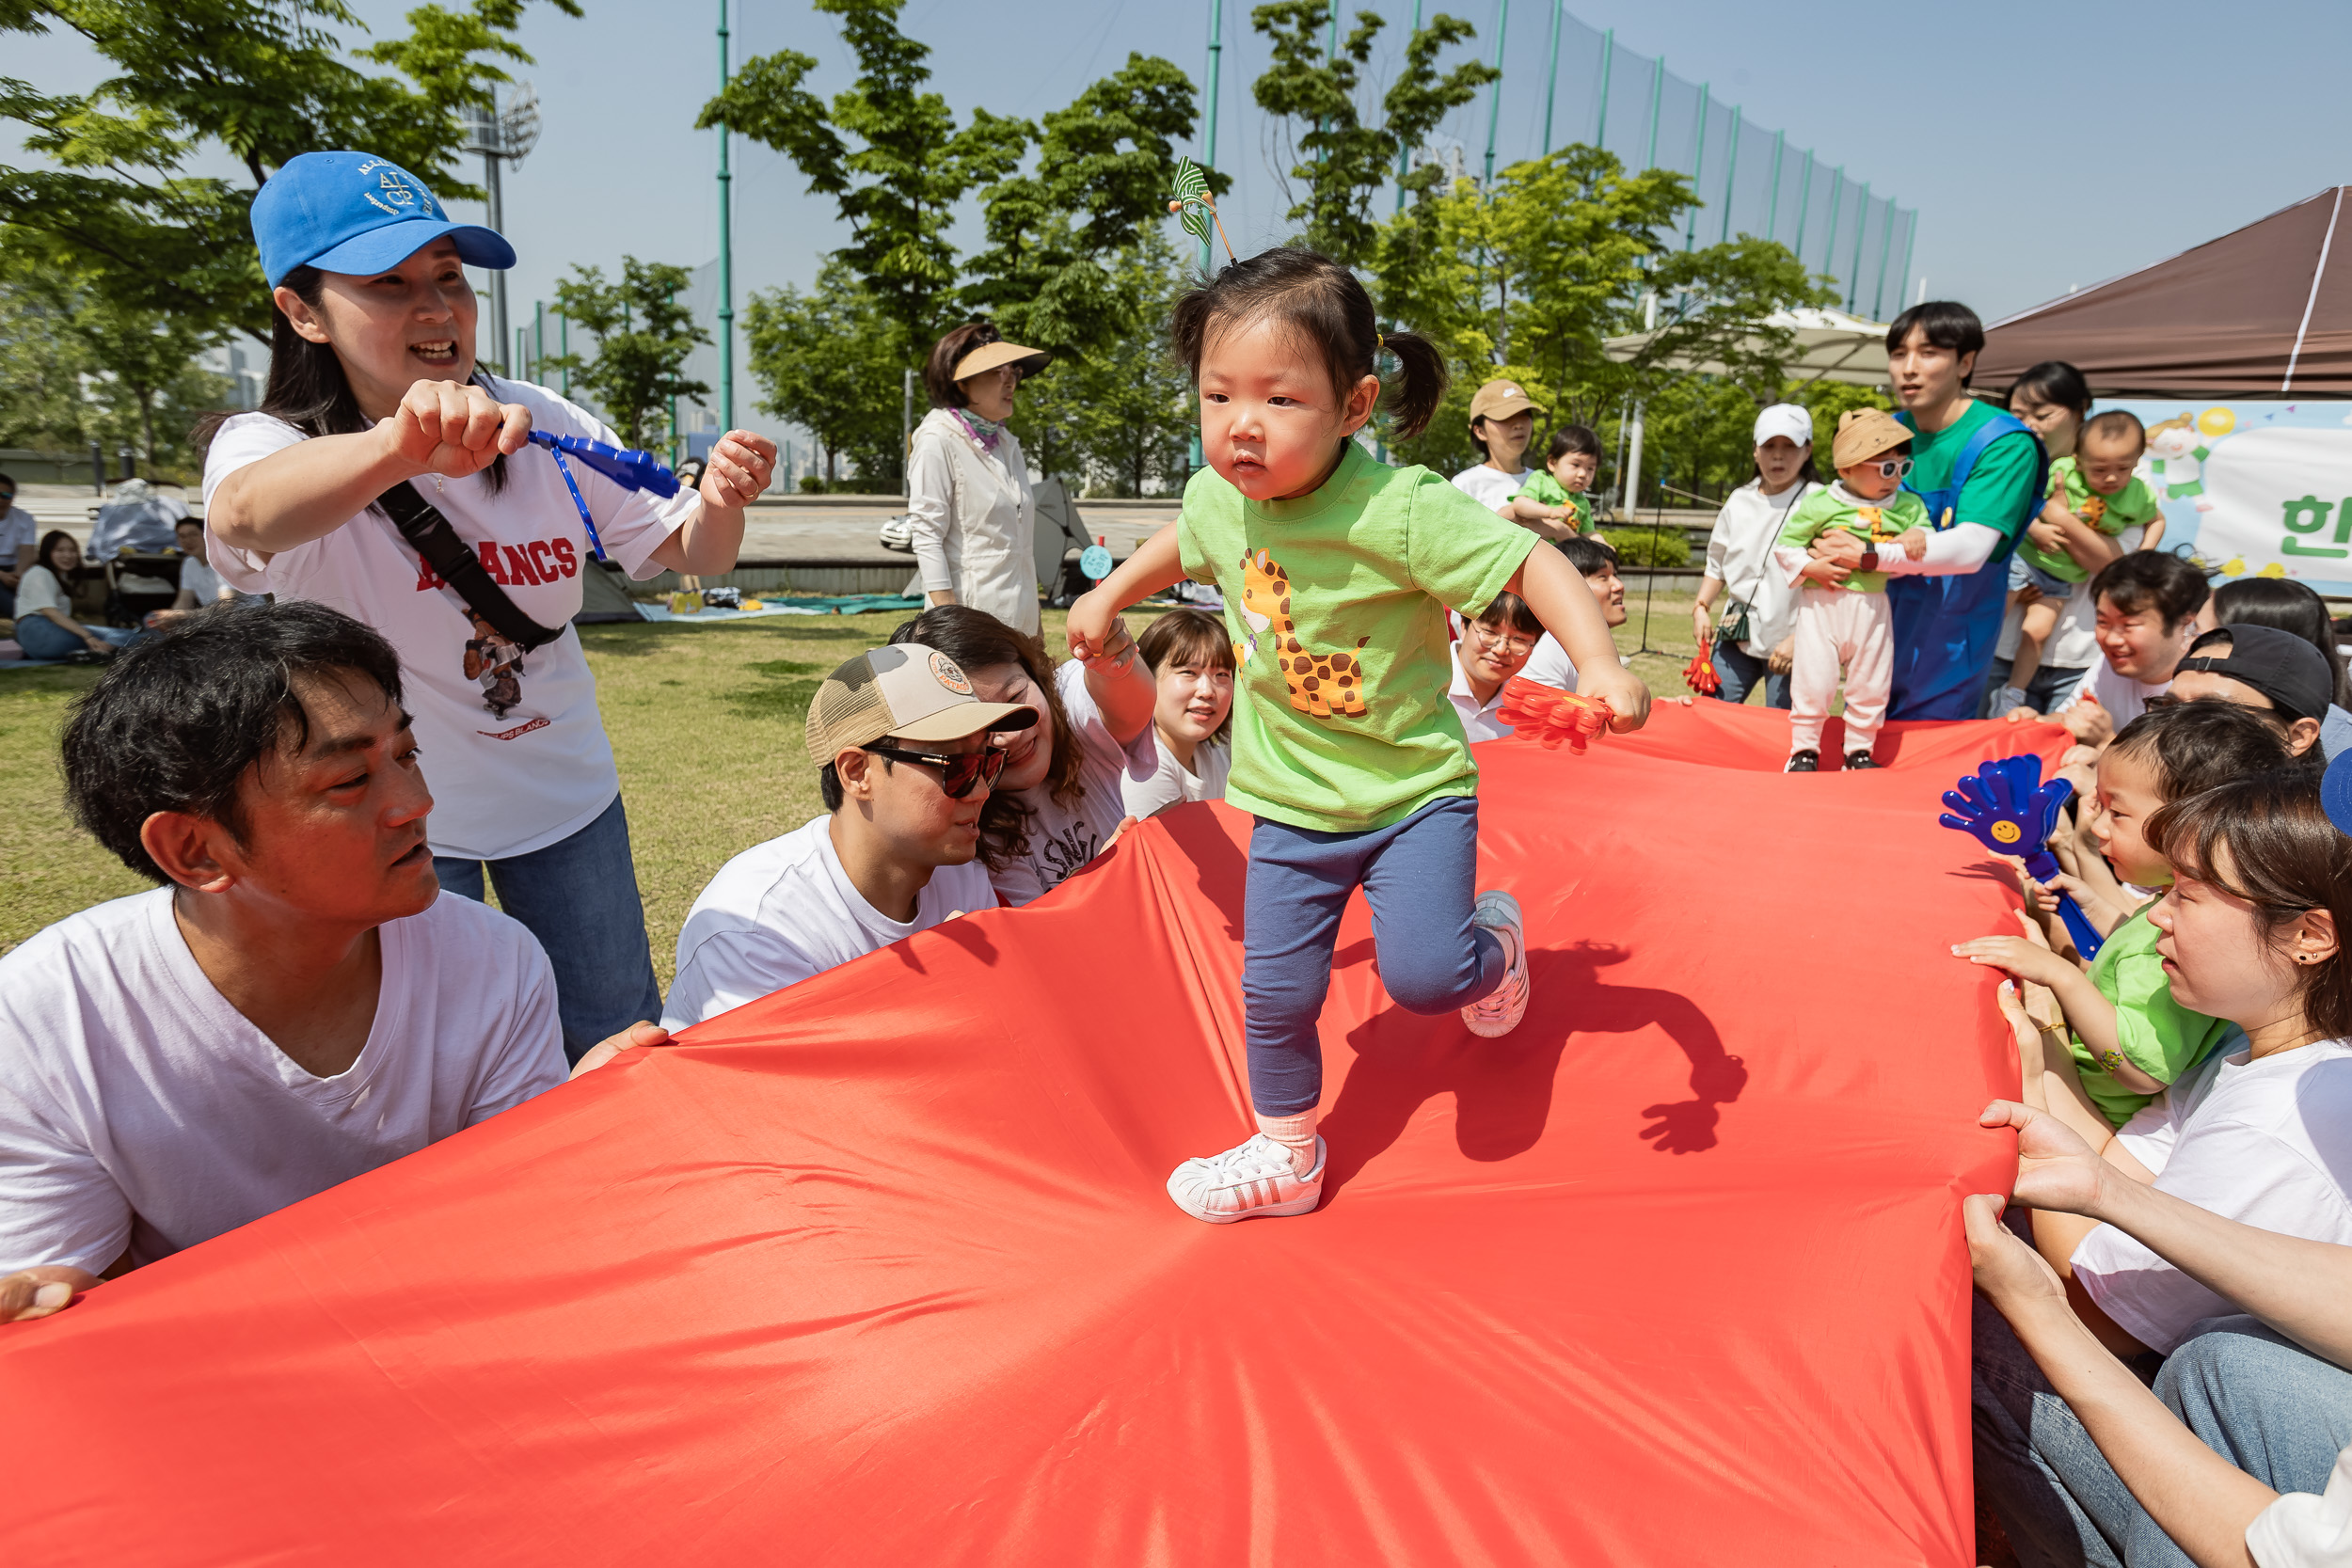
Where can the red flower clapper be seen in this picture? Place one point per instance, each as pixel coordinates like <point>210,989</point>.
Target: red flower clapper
<point>1553,716</point>
<point>1699,674</point>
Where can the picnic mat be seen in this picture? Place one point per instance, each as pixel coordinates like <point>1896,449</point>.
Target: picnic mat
<point>881,1270</point>
<point>848,603</point>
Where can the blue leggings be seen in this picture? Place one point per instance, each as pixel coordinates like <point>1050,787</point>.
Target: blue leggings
<point>1419,876</point>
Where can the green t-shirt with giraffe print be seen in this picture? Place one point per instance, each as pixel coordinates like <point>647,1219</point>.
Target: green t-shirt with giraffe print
<point>1337,605</point>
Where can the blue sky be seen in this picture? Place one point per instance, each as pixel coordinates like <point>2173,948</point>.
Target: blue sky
<point>2046,146</point>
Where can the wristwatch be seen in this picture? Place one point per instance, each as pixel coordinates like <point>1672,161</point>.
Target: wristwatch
<point>1870,561</point>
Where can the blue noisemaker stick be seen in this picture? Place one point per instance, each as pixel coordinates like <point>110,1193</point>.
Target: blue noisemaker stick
<point>2005,806</point>
<point>627,468</point>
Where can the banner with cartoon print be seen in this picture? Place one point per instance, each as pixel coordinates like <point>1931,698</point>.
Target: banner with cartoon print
<point>2253,489</point>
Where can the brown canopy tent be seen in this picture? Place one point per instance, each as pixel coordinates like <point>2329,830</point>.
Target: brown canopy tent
<point>2266,312</point>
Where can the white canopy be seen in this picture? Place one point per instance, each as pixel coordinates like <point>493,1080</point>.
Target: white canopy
<point>1831,346</point>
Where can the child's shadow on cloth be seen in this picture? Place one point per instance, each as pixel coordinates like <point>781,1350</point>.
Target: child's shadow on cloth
<point>1502,1088</point>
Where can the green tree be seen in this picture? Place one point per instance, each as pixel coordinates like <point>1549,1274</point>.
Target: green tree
<point>829,361</point>
<point>890,155</point>
<point>1343,163</point>
<point>1058,236</point>
<point>146,372</point>
<point>120,199</point>
<point>642,339</point>
<point>1530,278</point>
<point>1121,422</point>
<point>42,402</point>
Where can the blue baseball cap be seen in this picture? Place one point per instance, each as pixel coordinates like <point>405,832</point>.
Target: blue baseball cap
<point>2336,792</point>
<point>353,212</point>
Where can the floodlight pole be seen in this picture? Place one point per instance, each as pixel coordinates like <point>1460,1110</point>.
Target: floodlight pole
<point>1657,90</point>
<point>1771,212</point>
<point>1698,168</point>
<point>1731,174</point>
<point>1886,250</point>
<point>726,251</point>
<point>1854,273</point>
<point>498,225</point>
<point>1804,201</point>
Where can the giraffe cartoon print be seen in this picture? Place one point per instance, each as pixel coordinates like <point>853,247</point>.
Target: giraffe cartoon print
<point>1321,685</point>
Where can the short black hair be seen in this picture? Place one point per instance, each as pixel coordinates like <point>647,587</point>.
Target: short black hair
<point>1577,439</point>
<point>2195,746</point>
<point>2290,606</point>
<point>2114,422</point>
<point>8,480</point>
<point>1949,325</point>
<point>2151,579</point>
<point>1509,609</point>
<point>179,717</point>
<point>1589,556</point>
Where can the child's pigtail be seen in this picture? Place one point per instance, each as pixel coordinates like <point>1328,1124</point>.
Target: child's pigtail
<point>1414,395</point>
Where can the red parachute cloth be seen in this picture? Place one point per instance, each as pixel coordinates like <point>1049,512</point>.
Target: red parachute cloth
<point>881,1270</point>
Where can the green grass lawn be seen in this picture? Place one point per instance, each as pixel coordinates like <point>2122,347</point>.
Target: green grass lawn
<point>705,725</point>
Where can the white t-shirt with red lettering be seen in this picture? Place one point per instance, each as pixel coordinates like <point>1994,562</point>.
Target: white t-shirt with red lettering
<point>513,744</point>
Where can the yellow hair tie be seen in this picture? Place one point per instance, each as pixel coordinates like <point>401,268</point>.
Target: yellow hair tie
<point>1378,342</point>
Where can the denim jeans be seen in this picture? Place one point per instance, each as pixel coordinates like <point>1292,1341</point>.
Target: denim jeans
<point>41,638</point>
<point>1420,875</point>
<point>1740,670</point>
<point>2047,688</point>
<point>2269,1407</point>
<point>578,896</point>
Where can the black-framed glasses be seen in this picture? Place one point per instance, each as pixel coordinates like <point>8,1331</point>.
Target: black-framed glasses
<point>959,771</point>
<point>1894,467</point>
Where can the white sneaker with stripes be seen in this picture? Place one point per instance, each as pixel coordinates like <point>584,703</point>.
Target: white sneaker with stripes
<point>1499,1010</point>
<point>1253,1181</point>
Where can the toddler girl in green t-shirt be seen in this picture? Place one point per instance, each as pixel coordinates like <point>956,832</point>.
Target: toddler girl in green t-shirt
<point>1552,501</point>
<point>1338,572</point>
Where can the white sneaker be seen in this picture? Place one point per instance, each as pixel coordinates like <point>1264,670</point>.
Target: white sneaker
<point>2004,698</point>
<point>1499,1010</point>
<point>1245,1182</point>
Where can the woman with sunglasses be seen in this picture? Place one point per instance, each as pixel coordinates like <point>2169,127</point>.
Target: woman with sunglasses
<point>905,759</point>
<point>1842,615</point>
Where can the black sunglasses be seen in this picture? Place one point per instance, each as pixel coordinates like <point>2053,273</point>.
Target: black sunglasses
<point>957,772</point>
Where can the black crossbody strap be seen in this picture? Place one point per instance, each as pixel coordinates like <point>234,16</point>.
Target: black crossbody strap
<point>429,535</point>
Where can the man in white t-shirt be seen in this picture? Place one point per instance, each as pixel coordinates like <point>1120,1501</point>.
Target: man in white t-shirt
<point>1502,422</point>
<point>2147,608</point>
<point>295,1005</point>
<point>905,757</point>
<point>1596,561</point>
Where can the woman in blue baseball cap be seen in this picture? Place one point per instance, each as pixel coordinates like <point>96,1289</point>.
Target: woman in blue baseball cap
<point>388,475</point>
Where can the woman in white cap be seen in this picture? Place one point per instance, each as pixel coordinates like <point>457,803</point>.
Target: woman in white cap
<point>967,485</point>
<point>1502,422</point>
<point>380,446</point>
<point>1756,637</point>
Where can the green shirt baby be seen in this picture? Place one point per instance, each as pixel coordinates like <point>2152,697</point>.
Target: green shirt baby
<point>2154,1033</point>
<point>2133,506</point>
<point>1544,490</point>
<point>1879,522</point>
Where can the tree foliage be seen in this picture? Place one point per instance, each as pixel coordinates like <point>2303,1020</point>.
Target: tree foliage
<point>889,155</point>
<point>642,336</point>
<point>830,361</point>
<point>1060,236</point>
<point>117,199</point>
<point>1345,164</point>
<point>75,368</point>
<point>1120,421</point>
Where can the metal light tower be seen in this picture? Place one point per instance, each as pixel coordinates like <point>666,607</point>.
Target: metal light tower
<point>503,137</point>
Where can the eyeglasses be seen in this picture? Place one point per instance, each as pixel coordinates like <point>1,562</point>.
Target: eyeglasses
<point>1894,467</point>
<point>959,771</point>
<point>1497,639</point>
